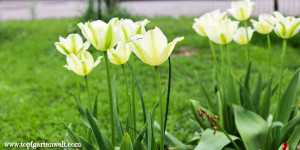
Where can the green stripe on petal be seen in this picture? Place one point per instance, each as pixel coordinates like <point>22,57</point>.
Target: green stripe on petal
<point>94,34</point>
<point>283,31</point>
<point>140,52</point>
<point>293,28</point>
<point>223,38</point>
<point>65,51</point>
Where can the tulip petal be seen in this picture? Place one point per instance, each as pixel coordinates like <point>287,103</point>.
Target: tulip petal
<point>141,53</point>
<point>168,49</point>
<point>61,48</point>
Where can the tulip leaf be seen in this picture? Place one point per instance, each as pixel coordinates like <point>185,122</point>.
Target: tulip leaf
<point>247,102</point>
<point>86,144</point>
<point>72,135</point>
<point>119,127</point>
<point>271,131</point>
<point>194,106</point>
<point>252,128</point>
<point>82,112</point>
<point>126,143</point>
<point>140,91</point>
<point>266,101</point>
<point>294,139</point>
<point>255,97</point>
<point>138,145</point>
<point>211,141</point>
<point>170,139</point>
<point>247,78</point>
<point>168,94</point>
<point>102,140</point>
<point>95,110</point>
<point>285,103</point>
<point>287,129</point>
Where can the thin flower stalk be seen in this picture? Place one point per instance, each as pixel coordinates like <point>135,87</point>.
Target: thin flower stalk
<point>270,54</point>
<point>128,97</point>
<point>161,104</point>
<point>112,119</point>
<point>247,46</point>
<point>228,57</point>
<point>133,98</point>
<point>88,91</point>
<point>215,62</point>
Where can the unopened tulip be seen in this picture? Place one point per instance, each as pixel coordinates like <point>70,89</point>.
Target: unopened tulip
<point>73,44</point>
<point>222,32</point>
<point>153,48</point>
<point>265,24</point>
<point>82,64</point>
<point>127,28</point>
<point>206,20</point>
<point>121,54</point>
<point>241,10</point>
<point>240,36</point>
<point>286,27</point>
<point>101,35</point>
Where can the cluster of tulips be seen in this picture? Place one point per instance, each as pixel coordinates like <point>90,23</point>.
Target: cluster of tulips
<point>244,118</point>
<point>116,39</point>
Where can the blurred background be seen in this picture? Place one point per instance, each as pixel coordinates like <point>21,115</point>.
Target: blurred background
<point>36,91</point>
<point>41,9</point>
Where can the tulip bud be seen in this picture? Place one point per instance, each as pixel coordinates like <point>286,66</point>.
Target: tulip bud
<point>82,64</point>
<point>73,44</point>
<point>240,36</point>
<point>206,20</point>
<point>222,31</point>
<point>121,54</point>
<point>265,24</point>
<point>286,27</point>
<point>241,10</point>
<point>153,48</point>
<point>101,35</point>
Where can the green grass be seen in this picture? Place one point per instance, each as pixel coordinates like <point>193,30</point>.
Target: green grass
<point>36,91</point>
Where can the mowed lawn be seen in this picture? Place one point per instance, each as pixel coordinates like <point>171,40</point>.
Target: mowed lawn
<point>36,91</point>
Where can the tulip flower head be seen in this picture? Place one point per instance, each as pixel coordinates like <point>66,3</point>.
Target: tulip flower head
<point>241,10</point>
<point>73,44</point>
<point>82,64</point>
<point>265,24</point>
<point>101,35</point>
<point>206,20</point>
<point>153,48</point>
<point>240,35</point>
<point>222,32</point>
<point>286,27</point>
<point>127,28</point>
<point>121,54</point>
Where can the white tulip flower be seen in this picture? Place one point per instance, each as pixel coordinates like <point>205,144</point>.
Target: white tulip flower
<point>121,54</point>
<point>206,20</point>
<point>82,64</point>
<point>265,23</point>
<point>222,32</point>
<point>101,35</point>
<point>286,27</point>
<point>153,48</point>
<point>127,28</point>
<point>241,10</point>
<point>240,36</point>
<point>73,44</point>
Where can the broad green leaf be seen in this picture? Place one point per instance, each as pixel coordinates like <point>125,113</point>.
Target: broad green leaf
<point>72,135</point>
<point>247,102</point>
<point>211,141</point>
<point>102,140</point>
<point>287,129</point>
<point>126,143</point>
<point>252,128</point>
<point>255,97</point>
<point>271,131</point>
<point>294,139</point>
<point>170,139</point>
<point>138,145</point>
<point>264,106</point>
<point>95,110</point>
<point>285,103</point>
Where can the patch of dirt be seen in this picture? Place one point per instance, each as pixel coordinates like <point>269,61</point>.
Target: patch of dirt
<point>184,52</point>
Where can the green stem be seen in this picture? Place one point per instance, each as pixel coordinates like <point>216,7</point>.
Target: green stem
<point>282,66</point>
<point>88,92</point>
<point>161,108</point>
<point>112,119</point>
<point>247,46</point>
<point>270,54</point>
<point>215,63</point>
<point>247,55</point>
<point>222,59</point>
<point>227,135</point>
<point>128,95</point>
<point>133,99</point>
<point>78,88</point>
<point>228,57</point>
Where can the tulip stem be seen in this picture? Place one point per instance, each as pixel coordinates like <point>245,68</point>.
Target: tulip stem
<point>222,59</point>
<point>112,119</point>
<point>88,91</point>
<point>78,88</point>
<point>270,54</point>
<point>281,66</point>
<point>215,62</point>
<point>247,45</point>
<point>228,57</point>
<point>161,108</point>
<point>133,99</point>
<point>128,96</point>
